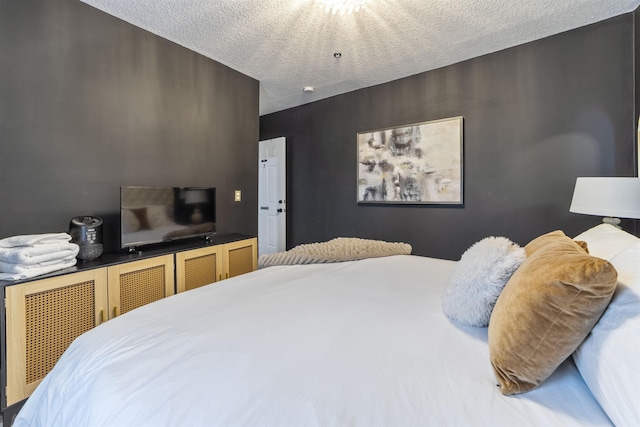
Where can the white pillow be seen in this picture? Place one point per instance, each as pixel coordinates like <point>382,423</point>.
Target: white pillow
<point>478,279</point>
<point>605,240</point>
<point>609,358</point>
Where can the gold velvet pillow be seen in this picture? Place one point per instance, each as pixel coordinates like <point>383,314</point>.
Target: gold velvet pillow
<point>545,239</point>
<point>546,310</point>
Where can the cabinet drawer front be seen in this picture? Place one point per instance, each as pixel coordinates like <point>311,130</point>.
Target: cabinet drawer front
<point>141,287</point>
<point>43,318</point>
<point>241,261</point>
<point>138,283</point>
<point>53,320</point>
<point>200,271</point>
<point>198,267</point>
<point>241,257</point>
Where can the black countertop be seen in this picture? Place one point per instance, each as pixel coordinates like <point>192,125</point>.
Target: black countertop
<point>150,251</point>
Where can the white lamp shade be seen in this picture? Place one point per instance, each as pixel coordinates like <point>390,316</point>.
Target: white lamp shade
<point>610,197</point>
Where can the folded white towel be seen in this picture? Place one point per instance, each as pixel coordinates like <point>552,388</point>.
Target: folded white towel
<point>9,267</point>
<point>34,239</point>
<point>38,271</point>
<point>39,253</point>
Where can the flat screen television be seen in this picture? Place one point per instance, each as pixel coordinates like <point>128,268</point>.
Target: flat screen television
<point>151,215</point>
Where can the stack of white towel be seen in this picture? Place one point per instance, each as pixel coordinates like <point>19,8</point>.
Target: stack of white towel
<point>22,257</point>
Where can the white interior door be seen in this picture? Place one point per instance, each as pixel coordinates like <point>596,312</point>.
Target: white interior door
<point>272,191</point>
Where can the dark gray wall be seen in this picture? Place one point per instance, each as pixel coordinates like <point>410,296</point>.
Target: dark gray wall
<point>89,103</point>
<point>536,116</point>
<point>636,28</point>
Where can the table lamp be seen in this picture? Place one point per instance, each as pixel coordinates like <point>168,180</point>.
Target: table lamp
<point>610,197</point>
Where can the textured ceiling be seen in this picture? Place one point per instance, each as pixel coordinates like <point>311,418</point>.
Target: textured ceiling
<point>289,44</point>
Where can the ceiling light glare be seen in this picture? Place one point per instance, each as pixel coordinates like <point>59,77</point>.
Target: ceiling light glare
<point>342,6</point>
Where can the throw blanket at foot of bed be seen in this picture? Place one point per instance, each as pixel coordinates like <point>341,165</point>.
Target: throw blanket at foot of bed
<point>337,250</point>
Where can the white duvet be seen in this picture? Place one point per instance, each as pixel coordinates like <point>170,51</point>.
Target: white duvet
<point>359,343</point>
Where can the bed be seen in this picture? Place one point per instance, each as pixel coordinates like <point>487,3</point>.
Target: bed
<point>362,343</point>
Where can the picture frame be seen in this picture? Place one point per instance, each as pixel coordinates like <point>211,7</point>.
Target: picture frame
<point>419,163</point>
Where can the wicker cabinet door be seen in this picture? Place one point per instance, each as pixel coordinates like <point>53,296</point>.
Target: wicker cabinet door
<point>198,267</point>
<point>138,283</point>
<point>240,257</point>
<point>43,318</point>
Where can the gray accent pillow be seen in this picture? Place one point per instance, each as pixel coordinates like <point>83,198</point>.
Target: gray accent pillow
<point>477,280</point>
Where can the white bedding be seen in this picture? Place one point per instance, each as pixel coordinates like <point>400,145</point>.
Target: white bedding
<point>355,343</point>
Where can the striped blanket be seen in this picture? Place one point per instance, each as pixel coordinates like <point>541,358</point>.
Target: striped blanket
<point>337,250</point>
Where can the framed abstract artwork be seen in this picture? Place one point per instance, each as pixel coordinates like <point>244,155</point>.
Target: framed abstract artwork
<point>420,163</point>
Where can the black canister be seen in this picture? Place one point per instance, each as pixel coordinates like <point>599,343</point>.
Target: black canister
<point>86,232</point>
